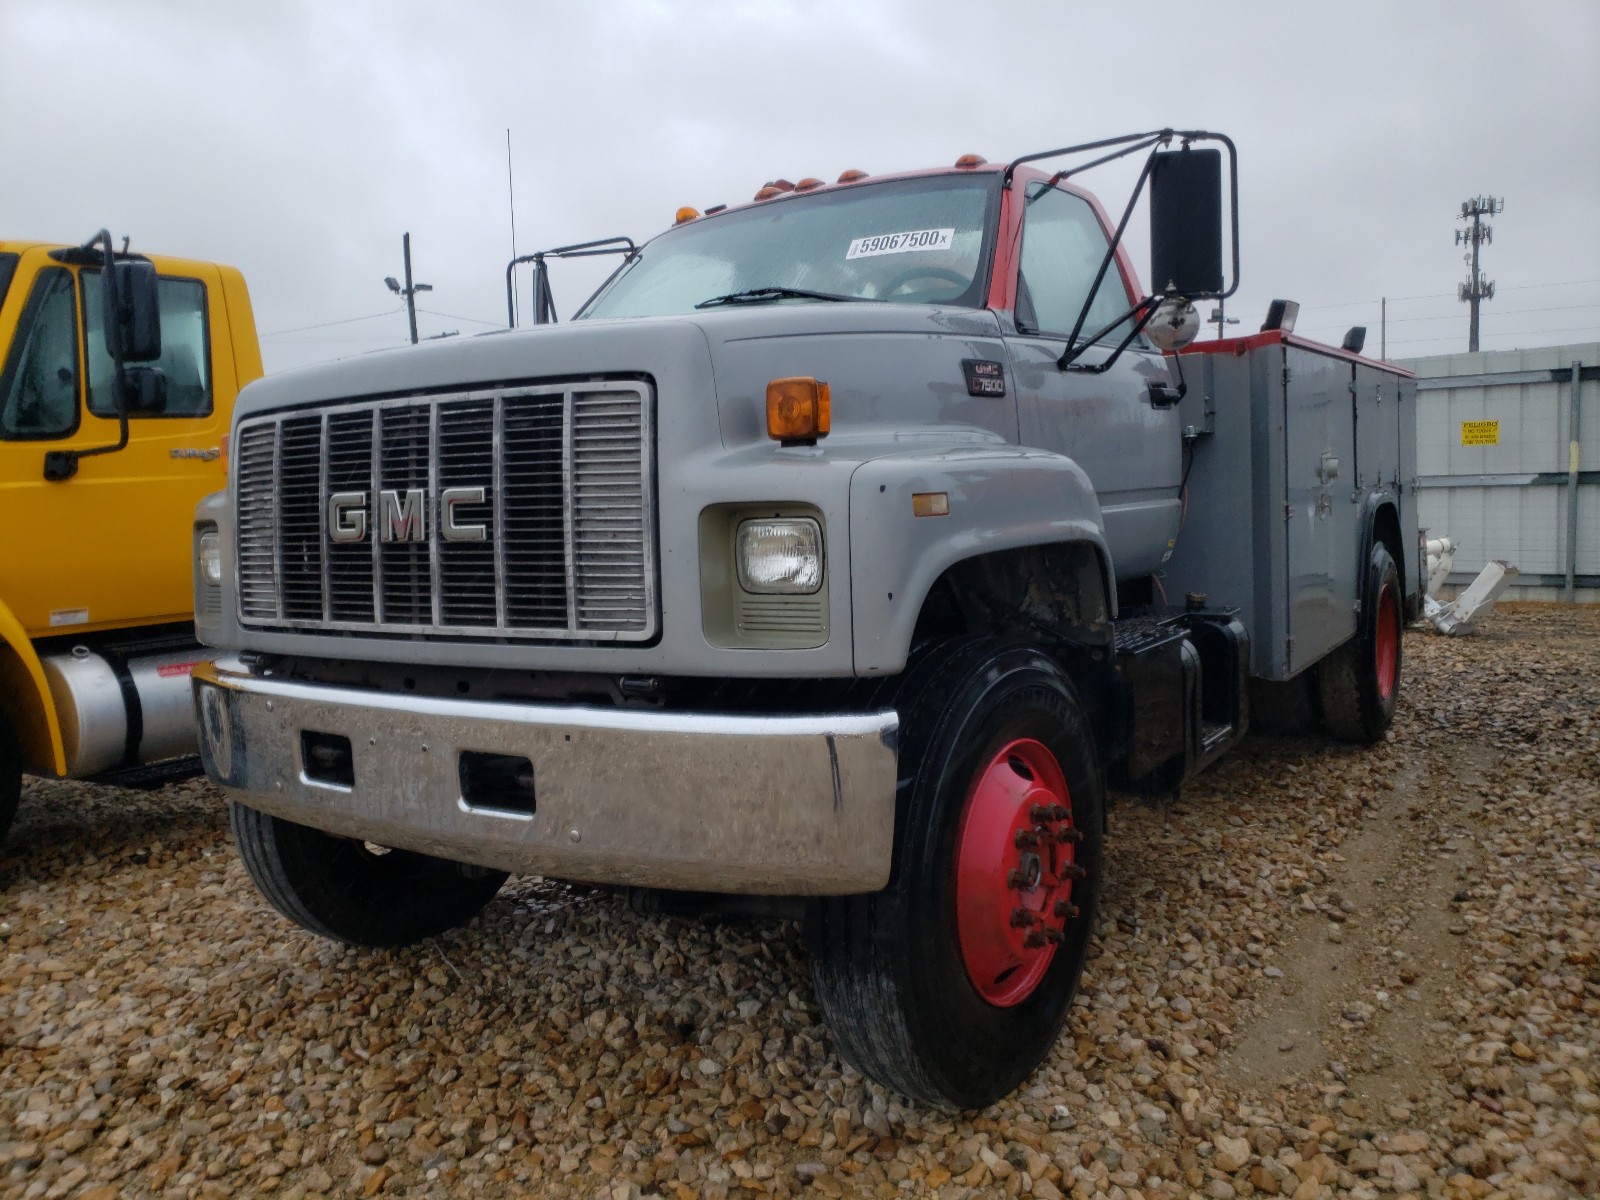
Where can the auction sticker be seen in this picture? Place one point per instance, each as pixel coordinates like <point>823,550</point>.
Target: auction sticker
<point>901,243</point>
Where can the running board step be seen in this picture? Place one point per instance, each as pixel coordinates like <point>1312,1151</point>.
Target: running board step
<point>1182,681</point>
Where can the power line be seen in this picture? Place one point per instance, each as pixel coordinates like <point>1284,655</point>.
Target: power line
<point>1505,312</point>
<point>1594,329</point>
<point>455,317</point>
<point>1515,287</point>
<point>326,324</point>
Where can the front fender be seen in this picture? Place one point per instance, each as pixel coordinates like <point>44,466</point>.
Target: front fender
<point>1000,498</point>
<point>25,699</point>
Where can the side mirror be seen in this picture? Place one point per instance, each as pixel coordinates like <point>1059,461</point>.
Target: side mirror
<point>144,391</point>
<point>1186,222</point>
<point>132,312</point>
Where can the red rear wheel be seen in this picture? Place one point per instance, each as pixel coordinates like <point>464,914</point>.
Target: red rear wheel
<point>1015,866</point>
<point>1386,644</point>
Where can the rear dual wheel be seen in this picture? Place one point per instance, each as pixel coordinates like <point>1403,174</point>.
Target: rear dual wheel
<point>1359,683</point>
<point>951,985</point>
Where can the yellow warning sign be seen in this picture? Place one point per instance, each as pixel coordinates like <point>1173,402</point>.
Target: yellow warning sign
<point>1480,433</point>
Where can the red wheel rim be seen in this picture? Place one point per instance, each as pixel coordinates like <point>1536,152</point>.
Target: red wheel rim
<point>1387,649</point>
<point>1015,864</point>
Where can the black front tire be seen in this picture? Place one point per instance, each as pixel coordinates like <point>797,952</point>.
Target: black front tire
<point>344,889</point>
<point>1359,683</point>
<point>889,970</point>
<point>10,777</point>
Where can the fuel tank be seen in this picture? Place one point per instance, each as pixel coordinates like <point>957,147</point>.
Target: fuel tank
<point>120,710</point>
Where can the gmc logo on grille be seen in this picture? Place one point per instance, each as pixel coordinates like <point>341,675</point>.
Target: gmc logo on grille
<point>403,516</point>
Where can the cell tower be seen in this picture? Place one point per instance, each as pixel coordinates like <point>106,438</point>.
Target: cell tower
<point>1476,289</point>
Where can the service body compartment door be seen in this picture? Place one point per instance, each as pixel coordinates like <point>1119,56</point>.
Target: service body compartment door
<point>1377,422</point>
<point>1320,517</point>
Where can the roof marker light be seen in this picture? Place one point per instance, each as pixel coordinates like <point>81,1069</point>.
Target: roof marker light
<point>806,184</point>
<point>851,175</point>
<point>686,214</point>
<point>968,161</point>
<point>775,187</point>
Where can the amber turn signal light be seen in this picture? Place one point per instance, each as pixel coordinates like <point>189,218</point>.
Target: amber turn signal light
<point>798,409</point>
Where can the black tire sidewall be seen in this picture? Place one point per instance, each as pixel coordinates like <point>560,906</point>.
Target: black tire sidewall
<point>10,777</point>
<point>331,886</point>
<point>1353,707</point>
<point>986,1050</point>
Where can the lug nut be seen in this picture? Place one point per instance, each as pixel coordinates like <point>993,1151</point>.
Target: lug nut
<point>1033,941</point>
<point>1068,834</point>
<point>1026,838</point>
<point>1054,936</point>
<point>1073,871</point>
<point>1059,812</point>
<point>1066,911</point>
<point>1021,917</point>
<point>1039,814</point>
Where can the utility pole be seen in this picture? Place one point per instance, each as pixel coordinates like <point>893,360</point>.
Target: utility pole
<point>1219,319</point>
<point>1476,289</point>
<point>410,290</point>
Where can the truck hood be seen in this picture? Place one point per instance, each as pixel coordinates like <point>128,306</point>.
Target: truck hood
<point>889,365</point>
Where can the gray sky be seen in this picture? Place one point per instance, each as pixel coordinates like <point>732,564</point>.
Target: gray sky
<point>298,141</point>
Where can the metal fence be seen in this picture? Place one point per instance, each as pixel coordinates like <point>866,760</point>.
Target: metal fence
<point>1508,455</point>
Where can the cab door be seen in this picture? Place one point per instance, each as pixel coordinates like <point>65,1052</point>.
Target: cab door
<point>111,546</point>
<point>1105,421</point>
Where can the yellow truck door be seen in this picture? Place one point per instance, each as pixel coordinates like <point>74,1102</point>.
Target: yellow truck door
<point>111,546</point>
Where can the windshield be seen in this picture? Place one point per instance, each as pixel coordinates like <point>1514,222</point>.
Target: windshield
<point>910,241</point>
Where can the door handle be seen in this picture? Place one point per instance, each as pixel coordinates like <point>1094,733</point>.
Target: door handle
<point>1164,395</point>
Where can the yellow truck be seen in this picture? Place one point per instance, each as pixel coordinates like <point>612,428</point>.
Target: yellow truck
<point>118,374</point>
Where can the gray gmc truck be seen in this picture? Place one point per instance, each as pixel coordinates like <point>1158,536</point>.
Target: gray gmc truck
<point>837,558</point>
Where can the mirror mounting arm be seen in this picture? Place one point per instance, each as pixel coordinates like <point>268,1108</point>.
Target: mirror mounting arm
<point>61,465</point>
<point>544,303</point>
<point>1068,361</point>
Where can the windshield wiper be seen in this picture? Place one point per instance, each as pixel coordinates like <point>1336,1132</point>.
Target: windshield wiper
<point>762,294</point>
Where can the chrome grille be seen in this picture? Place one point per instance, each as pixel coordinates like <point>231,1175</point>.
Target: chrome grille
<point>567,511</point>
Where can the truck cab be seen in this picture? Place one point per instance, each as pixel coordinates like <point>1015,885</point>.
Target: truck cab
<point>96,588</point>
<point>824,558</point>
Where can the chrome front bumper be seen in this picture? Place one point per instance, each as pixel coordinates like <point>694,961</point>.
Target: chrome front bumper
<point>779,805</point>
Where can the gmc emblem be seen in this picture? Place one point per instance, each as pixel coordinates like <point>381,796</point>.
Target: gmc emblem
<point>403,516</point>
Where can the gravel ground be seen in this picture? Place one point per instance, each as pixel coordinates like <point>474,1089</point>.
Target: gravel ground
<point>1323,972</point>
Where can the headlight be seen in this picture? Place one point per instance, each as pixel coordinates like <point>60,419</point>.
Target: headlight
<point>211,558</point>
<point>782,555</point>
